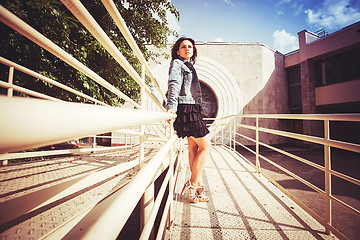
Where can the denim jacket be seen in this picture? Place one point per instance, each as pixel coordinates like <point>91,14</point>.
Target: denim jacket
<point>183,85</point>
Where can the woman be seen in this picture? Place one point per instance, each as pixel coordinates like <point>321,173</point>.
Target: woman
<point>184,98</point>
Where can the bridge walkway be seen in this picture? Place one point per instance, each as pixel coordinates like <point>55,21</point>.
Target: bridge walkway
<point>243,205</point>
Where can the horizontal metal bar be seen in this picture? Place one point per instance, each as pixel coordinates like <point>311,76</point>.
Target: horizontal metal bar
<point>164,218</point>
<point>130,132</point>
<point>345,177</point>
<point>81,13</point>
<point>286,192</point>
<point>154,211</point>
<point>46,79</point>
<point>110,214</point>
<point>23,28</point>
<point>55,193</point>
<point>10,156</point>
<point>120,23</point>
<point>170,199</point>
<point>246,126</point>
<point>246,137</point>
<point>345,205</point>
<point>333,143</point>
<point>31,123</point>
<point>353,117</point>
<point>293,175</point>
<point>247,148</point>
<point>28,91</point>
<point>294,156</point>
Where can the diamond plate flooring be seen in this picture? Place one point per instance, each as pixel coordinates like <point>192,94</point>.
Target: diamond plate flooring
<point>242,206</point>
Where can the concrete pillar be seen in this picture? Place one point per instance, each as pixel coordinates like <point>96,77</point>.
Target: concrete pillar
<point>314,128</point>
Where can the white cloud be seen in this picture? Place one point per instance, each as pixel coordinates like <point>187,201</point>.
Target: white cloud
<point>298,9</point>
<point>284,42</point>
<point>229,2</point>
<point>333,14</point>
<point>218,40</point>
<point>289,6</point>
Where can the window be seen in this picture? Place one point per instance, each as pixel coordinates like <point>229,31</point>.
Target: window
<point>294,80</point>
<point>339,68</point>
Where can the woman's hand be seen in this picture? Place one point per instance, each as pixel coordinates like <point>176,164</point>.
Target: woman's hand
<point>170,111</point>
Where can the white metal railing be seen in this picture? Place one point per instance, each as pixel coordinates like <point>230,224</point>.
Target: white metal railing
<point>230,134</point>
<point>29,123</point>
<point>13,66</point>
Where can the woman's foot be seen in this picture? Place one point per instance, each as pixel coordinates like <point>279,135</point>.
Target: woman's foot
<point>201,194</point>
<point>192,196</point>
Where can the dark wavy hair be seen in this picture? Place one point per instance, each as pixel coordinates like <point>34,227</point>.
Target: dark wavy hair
<point>176,47</point>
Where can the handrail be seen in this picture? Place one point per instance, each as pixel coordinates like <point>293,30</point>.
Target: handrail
<point>42,122</point>
<point>19,25</point>
<point>114,13</point>
<point>46,79</point>
<point>47,114</point>
<point>27,91</point>
<point>111,213</point>
<point>232,136</point>
<point>53,122</point>
<point>80,12</point>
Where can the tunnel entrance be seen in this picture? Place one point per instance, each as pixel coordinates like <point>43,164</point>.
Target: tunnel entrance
<point>209,103</point>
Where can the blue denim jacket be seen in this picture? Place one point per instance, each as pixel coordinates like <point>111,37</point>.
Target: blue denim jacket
<point>182,88</point>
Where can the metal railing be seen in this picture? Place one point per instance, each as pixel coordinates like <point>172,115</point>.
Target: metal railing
<point>52,122</point>
<point>230,135</point>
<point>30,123</point>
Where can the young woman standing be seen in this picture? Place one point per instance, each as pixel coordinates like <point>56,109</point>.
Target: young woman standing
<point>184,99</point>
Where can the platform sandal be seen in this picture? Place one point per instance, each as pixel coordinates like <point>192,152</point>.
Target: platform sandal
<point>193,198</point>
<point>201,194</point>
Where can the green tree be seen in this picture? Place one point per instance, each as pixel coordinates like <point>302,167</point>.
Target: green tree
<point>146,20</point>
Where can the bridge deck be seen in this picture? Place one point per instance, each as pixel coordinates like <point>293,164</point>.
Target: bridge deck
<point>51,196</point>
<point>242,206</point>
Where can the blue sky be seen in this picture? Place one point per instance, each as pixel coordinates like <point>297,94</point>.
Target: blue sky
<point>273,22</point>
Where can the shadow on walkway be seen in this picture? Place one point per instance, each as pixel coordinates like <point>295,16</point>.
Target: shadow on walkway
<point>242,206</point>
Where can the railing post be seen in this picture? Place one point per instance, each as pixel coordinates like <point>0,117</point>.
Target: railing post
<point>327,160</point>
<point>93,144</point>
<point>230,135</point>
<point>215,130</point>
<point>171,179</point>
<point>9,94</point>
<point>10,80</point>
<point>142,127</point>
<point>147,200</point>
<point>234,133</point>
<point>257,145</point>
<point>222,132</point>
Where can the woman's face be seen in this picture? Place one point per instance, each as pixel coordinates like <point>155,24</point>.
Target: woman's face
<point>186,50</point>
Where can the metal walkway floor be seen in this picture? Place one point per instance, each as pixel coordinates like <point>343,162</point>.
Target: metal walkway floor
<point>242,205</point>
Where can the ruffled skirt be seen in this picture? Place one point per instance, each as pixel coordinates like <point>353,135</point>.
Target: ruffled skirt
<point>189,122</point>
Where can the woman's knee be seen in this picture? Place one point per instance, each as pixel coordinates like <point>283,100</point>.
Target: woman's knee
<point>192,145</point>
<point>205,145</point>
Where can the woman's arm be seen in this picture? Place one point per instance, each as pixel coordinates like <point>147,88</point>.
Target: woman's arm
<point>174,85</point>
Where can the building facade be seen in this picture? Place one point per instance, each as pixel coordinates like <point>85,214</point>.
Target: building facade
<point>322,76</point>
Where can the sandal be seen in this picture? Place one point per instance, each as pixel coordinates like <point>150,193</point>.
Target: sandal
<point>193,198</point>
<point>201,195</point>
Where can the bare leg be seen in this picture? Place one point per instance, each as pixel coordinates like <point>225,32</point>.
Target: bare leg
<point>193,149</point>
<point>198,162</point>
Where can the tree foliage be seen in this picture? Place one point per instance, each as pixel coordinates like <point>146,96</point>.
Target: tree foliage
<point>146,20</point>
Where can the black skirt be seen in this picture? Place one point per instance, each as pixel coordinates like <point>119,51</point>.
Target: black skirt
<point>189,122</point>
